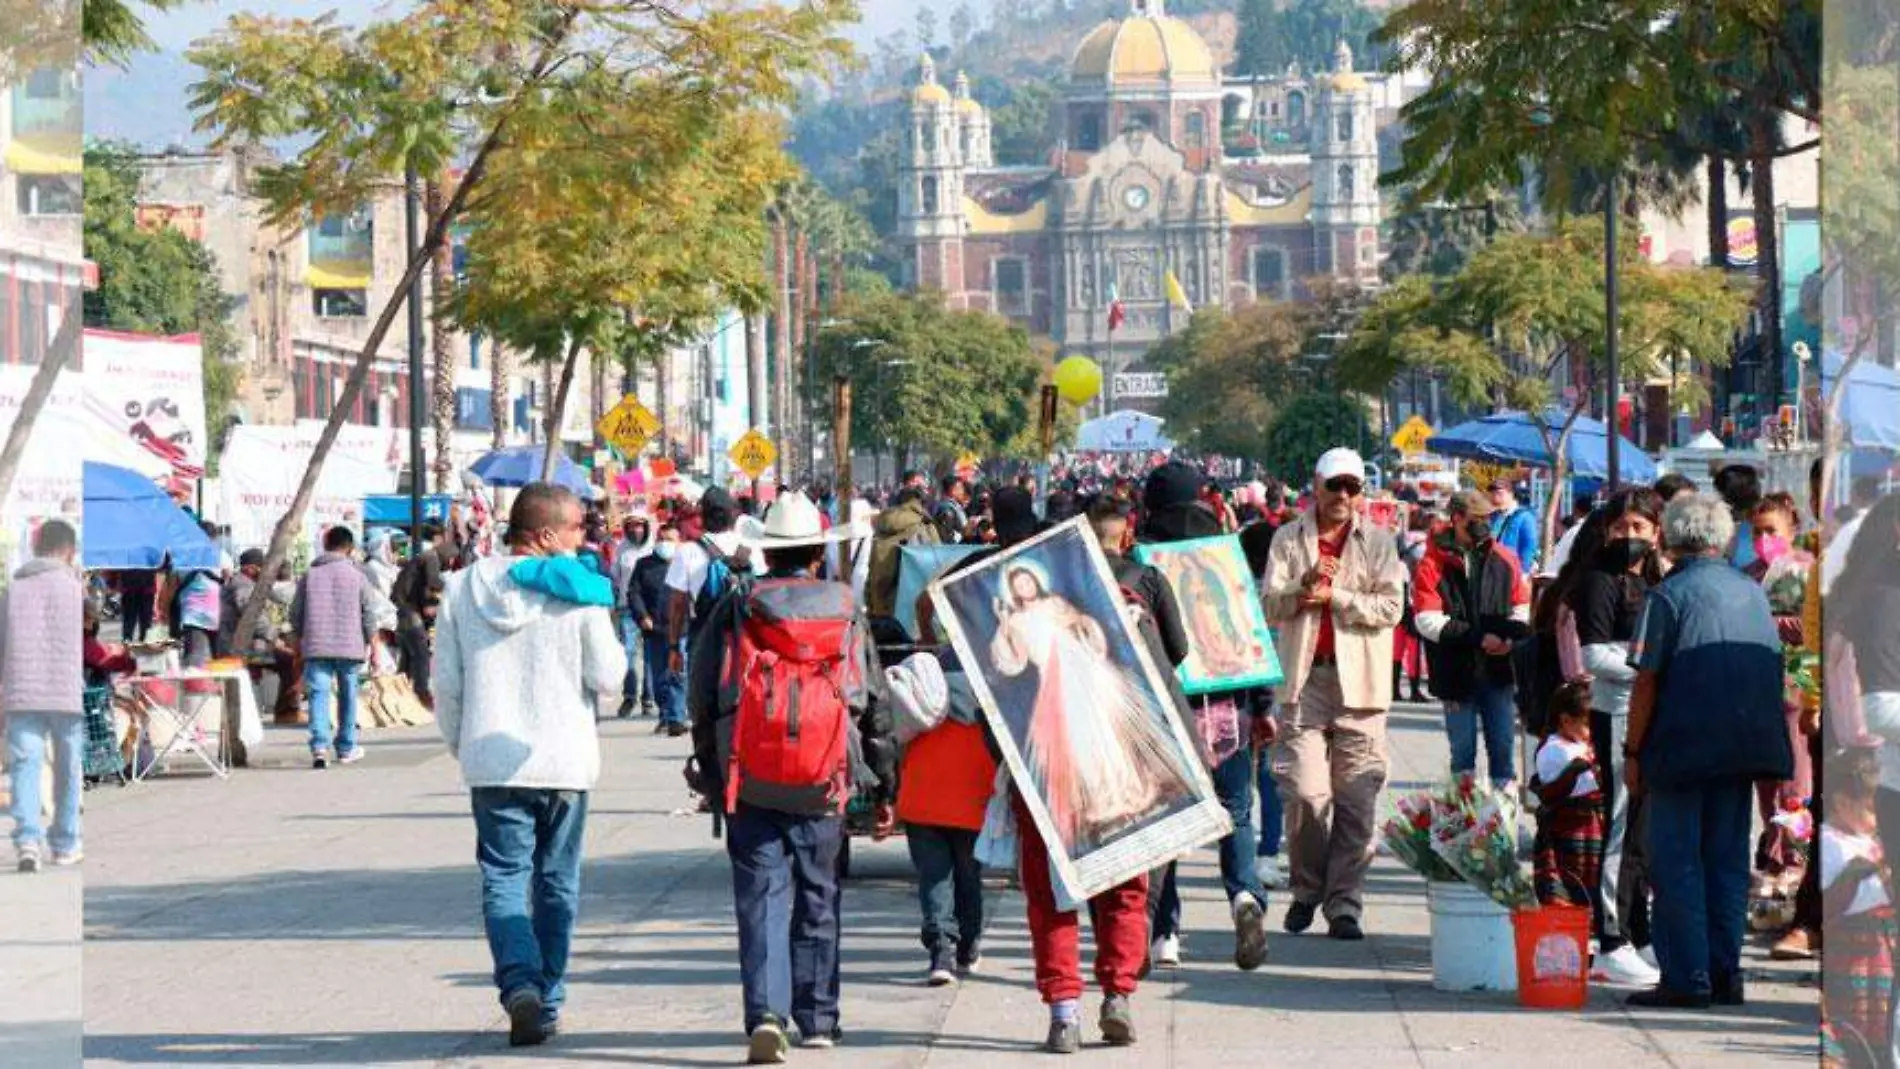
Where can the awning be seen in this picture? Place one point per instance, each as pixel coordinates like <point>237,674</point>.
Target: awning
<point>1513,437</point>
<point>45,156</point>
<point>338,275</point>
<point>130,523</point>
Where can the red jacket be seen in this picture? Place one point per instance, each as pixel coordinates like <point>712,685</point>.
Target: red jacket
<point>947,778</point>
<point>1454,611</point>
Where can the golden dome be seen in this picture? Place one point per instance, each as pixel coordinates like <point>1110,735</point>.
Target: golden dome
<point>1349,82</point>
<point>930,93</point>
<point>1151,48</point>
<point>968,105</point>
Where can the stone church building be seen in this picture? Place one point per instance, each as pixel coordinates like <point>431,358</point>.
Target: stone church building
<point>1138,187</point>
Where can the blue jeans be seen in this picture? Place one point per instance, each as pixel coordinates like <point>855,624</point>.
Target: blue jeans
<point>320,676</point>
<point>1272,812</point>
<point>528,844</point>
<point>638,686</point>
<point>669,690</point>
<point>27,735</point>
<point>949,890</point>
<point>1234,784</point>
<point>1698,872</point>
<point>1494,708</point>
<point>786,898</point>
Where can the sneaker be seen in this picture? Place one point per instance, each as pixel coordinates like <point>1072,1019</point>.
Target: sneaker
<point>29,858</point>
<point>941,974</point>
<point>1250,933</point>
<point>320,760</point>
<point>1118,1021</point>
<point>1299,917</point>
<point>1798,945</point>
<point>68,859</point>
<point>674,731</point>
<point>351,757</point>
<point>1166,952</point>
<point>820,1040</point>
<point>649,709</point>
<point>1272,872</point>
<point>659,727</point>
<point>625,711</point>
<point>550,1024</point>
<point>970,961</point>
<point>1345,929</point>
<point>768,1045</point>
<point>1726,990</point>
<point>525,1019</point>
<point>1648,954</point>
<point>1624,967</point>
<point>1065,1037</point>
<point>1661,998</point>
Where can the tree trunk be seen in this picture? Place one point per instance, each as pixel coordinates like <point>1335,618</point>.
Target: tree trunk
<point>781,342</point>
<point>557,410</point>
<point>500,412</point>
<point>756,406</point>
<point>1718,212</point>
<point>663,390</point>
<point>437,233</point>
<point>597,404</point>
<point>801,305</point>
<point>1768,248</point>
<point>65,345</point>
<point>1560,468</point>
<point>441,351</point>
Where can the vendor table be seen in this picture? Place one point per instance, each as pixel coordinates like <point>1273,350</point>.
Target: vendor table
<point>188,712</point>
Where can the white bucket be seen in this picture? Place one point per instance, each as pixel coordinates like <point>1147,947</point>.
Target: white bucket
<point>1473,948</point>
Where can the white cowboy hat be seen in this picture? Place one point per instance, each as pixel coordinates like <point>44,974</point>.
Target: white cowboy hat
<point>794,521</point>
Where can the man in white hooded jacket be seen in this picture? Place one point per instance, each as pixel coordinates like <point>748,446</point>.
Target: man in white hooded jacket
<point>525,650</point>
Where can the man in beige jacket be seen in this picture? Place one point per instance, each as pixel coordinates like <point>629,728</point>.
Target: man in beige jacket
<point>1334,589</point>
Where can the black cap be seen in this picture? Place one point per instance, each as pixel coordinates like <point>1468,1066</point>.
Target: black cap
<point>1015,513</point>
<point>1172,485</point>
<point>251,558</point>
<point>718,498</point>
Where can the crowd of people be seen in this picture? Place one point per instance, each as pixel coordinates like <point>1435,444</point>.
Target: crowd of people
<point>1651,682</point>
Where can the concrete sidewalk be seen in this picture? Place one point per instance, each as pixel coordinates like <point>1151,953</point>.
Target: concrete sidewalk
<point>294,918</point>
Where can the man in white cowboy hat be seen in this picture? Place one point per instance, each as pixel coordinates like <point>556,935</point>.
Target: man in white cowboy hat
<point>784,733</point>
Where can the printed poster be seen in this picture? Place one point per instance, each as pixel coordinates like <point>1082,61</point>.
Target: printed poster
<point>1229,646</point>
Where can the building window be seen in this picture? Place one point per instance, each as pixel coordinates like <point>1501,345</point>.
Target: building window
<point>930,196</point>
<point>931,141</point>
<point>343,238</point>
<point>1196,129</point>
<point>1088,131</point>
<point>473,411</point>
<point>475,351</point>
<point>1140,120</point>
<point>1296,108</point>
<point>1343,125</point>
<point>1345,182</point>
<point>340,304</point>
<point>50,194</point>
<point>1010,279</point>
<point>1269,274</point>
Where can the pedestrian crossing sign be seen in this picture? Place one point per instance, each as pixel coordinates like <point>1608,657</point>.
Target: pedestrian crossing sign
<point>628,426</point>
<point>1412,435</point>
<point>753,453</point>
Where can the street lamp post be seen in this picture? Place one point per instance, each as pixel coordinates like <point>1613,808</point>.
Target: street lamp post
<point>412,220</point>
<point>1613,437</point>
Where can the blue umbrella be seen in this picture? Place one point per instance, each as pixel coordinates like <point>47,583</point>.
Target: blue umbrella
<point>1513,437</point>
<point>521,464</point>
<point>1870,402</point>
<point>130,523</point>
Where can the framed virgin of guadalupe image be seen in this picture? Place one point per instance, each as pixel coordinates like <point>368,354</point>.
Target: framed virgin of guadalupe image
<point>1092,739</point>
<point>1229,646</point>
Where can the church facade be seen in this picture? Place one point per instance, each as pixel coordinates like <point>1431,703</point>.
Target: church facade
<point>1138,189</point>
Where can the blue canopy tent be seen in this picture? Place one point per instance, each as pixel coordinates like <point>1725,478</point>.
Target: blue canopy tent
<point>1870,402</point>
<point>131,523</point>
<point>392,510</point>
<point>1513,437</point>
<point>521,464</point>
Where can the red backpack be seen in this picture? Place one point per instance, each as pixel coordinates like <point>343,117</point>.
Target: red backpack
<point>794,667</point>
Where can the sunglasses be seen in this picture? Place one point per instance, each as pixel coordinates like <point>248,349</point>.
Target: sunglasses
<point>1345,484</point>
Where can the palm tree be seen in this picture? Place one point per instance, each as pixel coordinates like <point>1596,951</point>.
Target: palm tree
<point>441,348</point>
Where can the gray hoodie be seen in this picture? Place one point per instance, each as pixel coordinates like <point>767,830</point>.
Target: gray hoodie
<point>517,677</point>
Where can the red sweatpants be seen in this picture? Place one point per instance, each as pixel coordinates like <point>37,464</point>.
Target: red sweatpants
<point>1119,916</point>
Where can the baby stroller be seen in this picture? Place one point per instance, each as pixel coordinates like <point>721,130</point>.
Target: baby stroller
<point>103,759</point>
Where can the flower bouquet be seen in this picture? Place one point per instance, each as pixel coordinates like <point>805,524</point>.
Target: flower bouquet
<point>1476,837</point>
<point>1407,832</point>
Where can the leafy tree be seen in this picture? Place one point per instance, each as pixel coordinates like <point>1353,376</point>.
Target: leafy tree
<point>1308,426</point>
<point>1022,122</point>
<point>925,378</point>
<point>963,24</point>
<point>1273,34</point>
<point>1523,326</point>
<point>1438,239</point>
<point>156,281</point>
<point>473,80</point>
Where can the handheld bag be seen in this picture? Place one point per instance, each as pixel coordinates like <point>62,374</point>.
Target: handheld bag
<point>793,668</point>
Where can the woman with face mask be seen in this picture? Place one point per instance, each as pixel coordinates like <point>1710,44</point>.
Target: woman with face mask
<point>1782,568</point>
<point>1607,600</point>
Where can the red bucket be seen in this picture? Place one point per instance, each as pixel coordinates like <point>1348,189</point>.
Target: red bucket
<point>1553,956</point>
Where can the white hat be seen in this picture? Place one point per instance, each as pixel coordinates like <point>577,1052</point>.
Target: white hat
<point>1336,462</point>
<point>793,520</point>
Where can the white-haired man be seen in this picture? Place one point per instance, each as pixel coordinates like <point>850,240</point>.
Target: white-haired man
<point>1335,588</point>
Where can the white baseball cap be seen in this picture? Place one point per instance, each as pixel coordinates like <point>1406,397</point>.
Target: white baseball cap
<point>1336,462</point>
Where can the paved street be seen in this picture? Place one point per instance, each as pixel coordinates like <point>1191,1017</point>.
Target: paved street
<point>292,918</point>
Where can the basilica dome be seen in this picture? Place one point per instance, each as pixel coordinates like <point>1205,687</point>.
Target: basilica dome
<point>1149,48</point>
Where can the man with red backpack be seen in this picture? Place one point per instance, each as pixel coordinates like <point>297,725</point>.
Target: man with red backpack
<point>784,733</point>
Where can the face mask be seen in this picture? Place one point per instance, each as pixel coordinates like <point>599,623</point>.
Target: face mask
<point>1479,530</point>
<point>1771,548</point>
<point>664,550</point>
<point>1622,554</point>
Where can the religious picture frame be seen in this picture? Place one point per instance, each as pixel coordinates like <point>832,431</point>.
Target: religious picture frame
<point>1229,645</point>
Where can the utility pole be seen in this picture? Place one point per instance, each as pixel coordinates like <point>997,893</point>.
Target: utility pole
<point>412,220</point>
<point>1613,435</point>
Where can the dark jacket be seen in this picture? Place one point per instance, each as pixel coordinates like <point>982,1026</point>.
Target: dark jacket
<point>713,705</point>
<point>1455,610</point>
<point>646,594</point>
<point>891,531</point>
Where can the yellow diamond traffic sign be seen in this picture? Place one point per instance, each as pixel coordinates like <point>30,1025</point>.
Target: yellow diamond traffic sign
<point>753,453</point>
<point>1412,436</point>
<point>629,426</point>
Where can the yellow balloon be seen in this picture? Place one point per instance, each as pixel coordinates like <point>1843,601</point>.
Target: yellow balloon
<point>1078,379</point>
